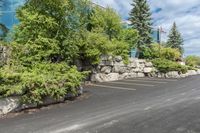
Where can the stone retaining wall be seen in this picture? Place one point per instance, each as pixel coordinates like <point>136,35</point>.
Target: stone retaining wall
<point>13,104</point>
<point>111,69</point>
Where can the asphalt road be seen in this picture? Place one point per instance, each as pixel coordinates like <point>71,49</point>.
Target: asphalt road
<point>128,106</point>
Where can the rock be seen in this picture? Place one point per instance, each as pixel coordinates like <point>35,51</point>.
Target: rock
<point>141,61</point>
<point>192,72</point>
<point>198,71</point>
<point>148,69</point>
<point>140,75</point>
<point>118,64</point>
<point>149,64</point>
<point>106,57</point>
<point>122,70</point>
<point>184,75</point>
<point>8,104</point>
<point>104,77</point>
<point>173,74</point>
<point>106,69</point>
<point>80,90</point>
<point>118,59</point>
<point>111,77</point>
<point>124,76</point>
<point>97,77</point>
<point>133,75</point>
<point>132,65</point>
<point>161,75</point>
<point>136,70</point>
<point>106,63</point>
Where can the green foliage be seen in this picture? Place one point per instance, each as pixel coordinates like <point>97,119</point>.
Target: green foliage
<point>121,48</point>
<point>3,28</point>
<point>175,40</point>
<point>41,81</point>
<point>158,51</point>
<point>107,20</point>
<point>140,17</point>
<point>130,36</point>
<point>97,44</point>
<point>192,61</point>
<point>43,43</point>
<point>164,65</point>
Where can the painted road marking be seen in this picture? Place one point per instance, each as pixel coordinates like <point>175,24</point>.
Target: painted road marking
<point>125,83</point>
<point>147,108</point>
<point>67,129</point>
<point>113,87</point>
<point>156,79</point>
<point>159,82</point>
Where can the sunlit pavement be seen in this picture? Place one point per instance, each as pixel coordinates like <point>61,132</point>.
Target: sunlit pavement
<point>145,105</point>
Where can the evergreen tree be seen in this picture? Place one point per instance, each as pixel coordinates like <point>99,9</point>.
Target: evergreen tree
<point>3,28</point>
<point>175,39</point>
<point>140,17</point>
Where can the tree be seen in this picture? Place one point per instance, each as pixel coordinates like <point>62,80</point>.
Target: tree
<point>192,60</point>
<point>3,28</point>
<point>174,39</point>
<point>130,36</point>
<point>39,66</point>
<point>140,17</point>
<point>106,20</point>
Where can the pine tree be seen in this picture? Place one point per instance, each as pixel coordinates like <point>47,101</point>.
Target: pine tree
<point>140,17</point>
<point>175,39</point>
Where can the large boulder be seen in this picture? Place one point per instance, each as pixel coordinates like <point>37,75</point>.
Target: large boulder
<point>136,70</point>
<point>118,59</point>
<point>132,75</point>
<point>124,76</point>
<point>173,74</point>
<point>184,75</point>
<point>149,64</point>
<point>106,58</point>
<point>161,75</point>
<point>198,71</point>
<point>148,69</point>
<point>106,69</point>
<point>192,72</point>
<point>140,75</point>
<point>8,104</point>
<point>106,63</point>
<point>99,77</point>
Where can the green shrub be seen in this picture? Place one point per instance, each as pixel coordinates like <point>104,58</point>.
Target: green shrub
<point>164,65</point>
<point>121,48</point>
<point>41,81</point>
<point>157,51</point>
<point>192,61</point>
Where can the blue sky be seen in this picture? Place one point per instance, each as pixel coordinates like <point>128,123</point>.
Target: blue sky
<point>186,13</point>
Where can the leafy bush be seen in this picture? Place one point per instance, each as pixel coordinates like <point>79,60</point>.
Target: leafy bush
<point>192,61</point>
<point>157,51</point>
<point>97,44</point>
<point>164,65</point>
<point>130,36</point>
<point>107,20</point>
<point>41,81</point>
<point>121,48</point>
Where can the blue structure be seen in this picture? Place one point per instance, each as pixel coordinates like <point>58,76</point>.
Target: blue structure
<point>8,12</point>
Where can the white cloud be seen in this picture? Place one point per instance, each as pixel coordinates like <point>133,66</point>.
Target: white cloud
<point>186,14</point>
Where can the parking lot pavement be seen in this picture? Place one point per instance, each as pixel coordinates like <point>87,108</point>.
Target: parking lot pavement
<point>133,84</point>
<point>140,105</point>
